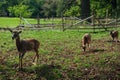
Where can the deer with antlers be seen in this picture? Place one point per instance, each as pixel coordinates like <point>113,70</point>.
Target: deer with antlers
<point>25,45</point>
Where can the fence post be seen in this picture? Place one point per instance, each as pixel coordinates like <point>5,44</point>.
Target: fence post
<point>93,19</point>
<point>106,18</point>
<point>116,18</point>
<point>52,22</point>
<point>63,23</point>
<point>20,19</point>
<point>38,20</point>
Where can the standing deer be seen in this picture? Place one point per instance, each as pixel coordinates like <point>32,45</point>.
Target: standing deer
<point>25,45</point>
<point>86,39</point>
<point>114,34</point>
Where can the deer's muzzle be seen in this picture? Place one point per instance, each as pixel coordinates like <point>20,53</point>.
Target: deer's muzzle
<point>13,38</point>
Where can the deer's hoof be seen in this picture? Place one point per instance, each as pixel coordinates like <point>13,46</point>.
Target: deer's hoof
<point>34,63</point>
<point>20,69</point>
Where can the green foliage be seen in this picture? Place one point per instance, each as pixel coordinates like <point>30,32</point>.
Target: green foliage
<point>35,6</point>
<point>100,8</point>
<point>20,11</point>
<point>68,8</point>
<point>60,8</point>
<point>49,8</point>
<point>73,11</point>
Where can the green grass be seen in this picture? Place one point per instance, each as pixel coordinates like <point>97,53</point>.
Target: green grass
<point>13,22</point>
<point>61,57</point>
<point>9,22</point>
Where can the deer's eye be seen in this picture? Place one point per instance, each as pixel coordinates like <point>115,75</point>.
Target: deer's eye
<point>14,35</point>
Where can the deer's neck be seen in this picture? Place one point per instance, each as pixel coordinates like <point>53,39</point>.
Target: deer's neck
<point>18,43</point>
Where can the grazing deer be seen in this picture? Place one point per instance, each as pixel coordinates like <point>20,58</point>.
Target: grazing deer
<point>25,45</point>
<point>86,39</point>
<point>114,34</point>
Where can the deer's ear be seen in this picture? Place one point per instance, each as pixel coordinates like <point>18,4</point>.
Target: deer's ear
<point>10,30</point>
<point>20,32</point>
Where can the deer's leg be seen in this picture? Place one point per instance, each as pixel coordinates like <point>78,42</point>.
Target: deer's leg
<point>34,58</point>
<point>89,43</point>
<point>113,38</point>
<point>21,55</point>
<point>117,39</point>
<point>21,63</point>
<point>37,55</point>
<point>19,60</point>
<point>84,48</point>
<point>22,58</point>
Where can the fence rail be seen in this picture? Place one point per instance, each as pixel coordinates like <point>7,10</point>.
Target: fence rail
<point>65,23</point>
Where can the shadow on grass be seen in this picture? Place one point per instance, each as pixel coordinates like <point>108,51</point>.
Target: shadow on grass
<point>44,72</point>
<point>48,72</point>
<point>94,51</point>
<point>113,41</point>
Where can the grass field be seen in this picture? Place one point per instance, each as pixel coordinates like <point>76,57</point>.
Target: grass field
<point>13,22</point>
<point>61,57</point>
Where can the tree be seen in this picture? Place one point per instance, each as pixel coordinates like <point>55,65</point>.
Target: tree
<point>114,4</point>
<point>85,9</point>
<point>49,8</point>
<point>3,8</point>
<point>60,8</point>
<point>73,8</point>
<point>36,7</point>
<point>73,11</point>
<point>68,7</point>
<point>19,11</point>
<point>101,7</point>
<point>5,4</point>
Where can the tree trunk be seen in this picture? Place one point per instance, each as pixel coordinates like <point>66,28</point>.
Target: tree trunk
<point>85,9</point>
<point>114,4</point>
<point>38,20</point>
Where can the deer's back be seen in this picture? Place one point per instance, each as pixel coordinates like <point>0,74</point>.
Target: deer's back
<point>86,38</point>
<point>28,45</point>
<point>114,34</point>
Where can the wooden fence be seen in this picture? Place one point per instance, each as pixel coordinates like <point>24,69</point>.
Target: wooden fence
<point>72,23</point>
